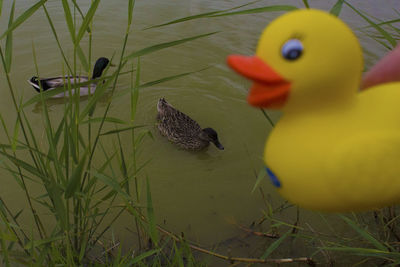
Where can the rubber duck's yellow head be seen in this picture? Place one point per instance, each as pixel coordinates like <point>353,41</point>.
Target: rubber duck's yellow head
<point>305,57</point>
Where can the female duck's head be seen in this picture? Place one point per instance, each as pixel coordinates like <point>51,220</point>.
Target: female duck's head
<point>99,67</point>
<point>210,135</point>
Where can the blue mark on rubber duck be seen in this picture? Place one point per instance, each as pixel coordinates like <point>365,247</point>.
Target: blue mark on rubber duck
<point>275,181</point>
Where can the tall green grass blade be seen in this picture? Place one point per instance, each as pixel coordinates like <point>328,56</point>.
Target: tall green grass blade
<point>56,194</point>
<point>134,100</point>
<point>83,250</point>
<point>28,167</point>
<point>123,166</point>
<point>14,102</point>
<point>40,243</point>
<point>142,256</point>
<point>161,46</point>
<point>109,225</point>
<point>117,258</point>
<point>16,175</point>
<point>69,20</point>
<point>82,58</point>
<point>305,2</point>
<point>367,252</point>
<point>53,147</point>
<point>91,105</point>
<point>78,8</point>
<point>73,142</point>
<point>4,146</point>
<point>198,16</point>
<point>5,128</point>
<point>37,156</point>
<point>260,178</point>
<point>56,37</point>
<point>155,82</point>
<point>267,117</point>
<point>389,23</point>
<point>9,40</point>
<point>202,15</point>
<point>383,43</point>
<point>15,134</point>
<point>364,234</point>
<point>382,31</point>
<point>49,130</point>
<point>75,179</point>
<point>258,10</point>
<point>392,25</point>
<point>92,182</point>
<point>178,257</point>
<point>150,215</point>
<point>100,89</point>
<point>130,11</point>
<point>135,93</point>
<point>107,119</point>
<point>275,245</point>
<point>24,16</point>
<point>112,183</point>
<point>122,130</point>
<point>88,18</point>
<point>17,108</point>
<point>59,130</point>
<point>4,249</point>
<point>1,6</point>
<point>395,29</point>
<point>337,8</point>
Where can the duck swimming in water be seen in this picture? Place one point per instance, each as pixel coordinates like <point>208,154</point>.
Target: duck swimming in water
<point>182,130</point>
<point>57,82</point>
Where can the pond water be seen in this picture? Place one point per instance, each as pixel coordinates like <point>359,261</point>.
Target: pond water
<point>205,194</point>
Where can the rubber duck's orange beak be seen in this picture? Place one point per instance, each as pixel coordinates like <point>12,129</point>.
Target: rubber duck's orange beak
<point>270,90</point>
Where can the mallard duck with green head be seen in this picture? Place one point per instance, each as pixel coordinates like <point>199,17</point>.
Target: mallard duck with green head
<point>182,130</point>
<point>47,84</point>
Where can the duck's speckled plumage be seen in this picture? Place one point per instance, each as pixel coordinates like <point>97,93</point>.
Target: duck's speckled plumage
<point>183,130</point>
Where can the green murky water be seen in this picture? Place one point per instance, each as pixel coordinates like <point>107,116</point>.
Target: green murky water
<point>203,194</point>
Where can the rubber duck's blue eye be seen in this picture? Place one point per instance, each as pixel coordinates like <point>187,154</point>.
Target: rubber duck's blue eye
<point>292,49</point>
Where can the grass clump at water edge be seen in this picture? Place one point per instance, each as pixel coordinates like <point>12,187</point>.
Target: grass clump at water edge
<point>81,200</point>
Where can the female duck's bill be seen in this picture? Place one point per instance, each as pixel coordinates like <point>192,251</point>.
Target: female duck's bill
<point>209,134</point>
<point>57,82</point>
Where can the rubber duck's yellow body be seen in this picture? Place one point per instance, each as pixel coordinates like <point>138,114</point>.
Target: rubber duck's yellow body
<point>334,148</point>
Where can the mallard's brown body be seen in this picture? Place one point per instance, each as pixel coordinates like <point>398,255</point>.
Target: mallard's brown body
<point>181,129</point>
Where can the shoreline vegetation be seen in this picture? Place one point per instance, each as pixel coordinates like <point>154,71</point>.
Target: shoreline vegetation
<point>83,200</point>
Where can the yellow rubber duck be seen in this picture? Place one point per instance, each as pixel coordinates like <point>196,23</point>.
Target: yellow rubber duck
<point>334,148</point>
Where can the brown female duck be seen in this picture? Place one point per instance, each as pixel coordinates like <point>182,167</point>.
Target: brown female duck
<point>182,130</point>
